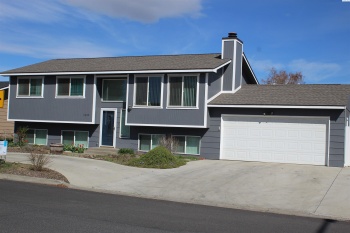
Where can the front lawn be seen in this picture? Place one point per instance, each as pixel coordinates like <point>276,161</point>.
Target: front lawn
<point>26,170</point>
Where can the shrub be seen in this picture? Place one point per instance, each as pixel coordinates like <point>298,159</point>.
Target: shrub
<point>73,148</point>
<point>122,151</point>
<point>159,157</point>
<point>38,161</point>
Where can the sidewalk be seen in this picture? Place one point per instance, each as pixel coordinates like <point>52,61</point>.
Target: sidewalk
<point>280,188</point>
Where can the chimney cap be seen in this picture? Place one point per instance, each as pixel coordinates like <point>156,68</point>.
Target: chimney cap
<point>232,35</point>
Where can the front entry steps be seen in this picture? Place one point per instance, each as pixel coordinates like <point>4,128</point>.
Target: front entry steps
<point>101,151</point>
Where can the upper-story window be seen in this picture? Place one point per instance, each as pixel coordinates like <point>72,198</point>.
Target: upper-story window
<point>113,89</point>
<point>29,87</point>
<point>148,91</point>
<point>70,86</point>
<point>182,91</point>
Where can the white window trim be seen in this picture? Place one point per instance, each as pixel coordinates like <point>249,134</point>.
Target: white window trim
<point>138,139</point>
<point>200,141</point>
<point>88,138</point>
<point>120,124</point>
<point>35,137</point>
<point>29,96</point>
<point>69,96</point>
<point>161,90</point>
<point>168,92</point>
<point>113,101</point>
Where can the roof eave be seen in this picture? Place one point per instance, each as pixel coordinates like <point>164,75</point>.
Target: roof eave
<point>118,72</point>
<point>277,106</point>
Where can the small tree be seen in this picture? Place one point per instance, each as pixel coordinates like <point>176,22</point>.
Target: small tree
<point>282,77</point>
<point>22,134</point>
<point>169,142</point>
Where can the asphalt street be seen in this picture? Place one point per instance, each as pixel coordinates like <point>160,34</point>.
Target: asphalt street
<point>26,207</point>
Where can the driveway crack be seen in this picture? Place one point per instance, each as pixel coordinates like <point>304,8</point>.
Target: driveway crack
<point>328,189</point>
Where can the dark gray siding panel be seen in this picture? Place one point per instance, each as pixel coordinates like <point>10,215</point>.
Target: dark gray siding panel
<point>238,59</point>
<point>228,72</point>
<point>50,108</point>
<point>337,124</point>
<point>168,116</point>
<point>214,83</point>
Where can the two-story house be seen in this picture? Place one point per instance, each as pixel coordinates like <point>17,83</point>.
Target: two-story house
<point>210,103</point>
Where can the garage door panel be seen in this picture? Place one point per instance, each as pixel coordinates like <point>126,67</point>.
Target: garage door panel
<point>268,141</point>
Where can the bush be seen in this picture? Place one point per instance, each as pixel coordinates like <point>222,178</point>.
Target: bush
<point>122,151</point>
<point>159,157</point>
<point>38,161</point>
<point>74,149</point>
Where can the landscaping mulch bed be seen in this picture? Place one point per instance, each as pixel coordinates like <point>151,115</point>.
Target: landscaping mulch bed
<point>25,170</point>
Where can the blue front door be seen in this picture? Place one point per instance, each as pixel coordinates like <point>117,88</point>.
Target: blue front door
<point>108,128</point>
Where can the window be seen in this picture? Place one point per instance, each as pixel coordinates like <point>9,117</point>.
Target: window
<point>29,87</point>
<point>37,136</point>
<point>148,91</point>
<point>77,138</point>
<point>70,87</point>
<point>149,141</point>
<point>113,90</point>
<point>183,91</point>
<point>187,144</point>
<point>124,129</point>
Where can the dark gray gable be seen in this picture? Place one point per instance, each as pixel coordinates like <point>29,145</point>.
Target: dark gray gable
<point>4,84</point>
<point>292,95</point>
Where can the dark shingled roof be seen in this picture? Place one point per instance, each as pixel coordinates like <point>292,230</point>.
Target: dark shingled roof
<point>136,63</point>
<point>3,84</point>
<point>292,95</point>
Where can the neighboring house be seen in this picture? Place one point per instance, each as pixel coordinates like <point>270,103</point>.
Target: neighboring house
<point>6,127</point>
<point>204,101</point>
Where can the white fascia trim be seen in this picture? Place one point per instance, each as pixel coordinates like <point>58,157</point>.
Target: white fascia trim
<point>234,67</point>
<point>205,102</point>
<point>161,125</point>
<point>250,68</point>
<point>94,101</point>
<point>222,92</point>
<point>4,88</point>
<point>219,67</point>
<point>8,101</point>
<point>117,72</point>
<point>276,106</point>
<point>58,122</point>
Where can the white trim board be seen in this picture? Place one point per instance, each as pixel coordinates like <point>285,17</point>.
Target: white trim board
<point>277,106</point>
<point>49,121</point>
<point>164,125</point>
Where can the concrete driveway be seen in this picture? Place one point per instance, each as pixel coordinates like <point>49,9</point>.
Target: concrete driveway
<point>281,188</point>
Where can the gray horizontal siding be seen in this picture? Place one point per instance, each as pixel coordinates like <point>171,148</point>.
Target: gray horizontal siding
<point>214,83</point>
<point>50,108</point>
<point>170,116</point>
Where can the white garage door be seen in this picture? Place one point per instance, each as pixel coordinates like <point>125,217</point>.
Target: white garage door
<point>273,139</point>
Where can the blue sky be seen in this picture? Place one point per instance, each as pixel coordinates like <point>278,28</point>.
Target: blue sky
<point>310,36</point>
